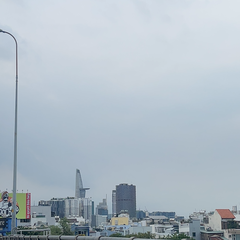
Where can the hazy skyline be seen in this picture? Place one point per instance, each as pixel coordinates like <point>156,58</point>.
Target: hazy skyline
<point>143,92</point>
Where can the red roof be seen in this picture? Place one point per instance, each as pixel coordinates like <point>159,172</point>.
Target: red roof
<point>225,213</point>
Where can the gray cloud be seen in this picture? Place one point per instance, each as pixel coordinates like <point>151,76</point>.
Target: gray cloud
<point>143,92</point>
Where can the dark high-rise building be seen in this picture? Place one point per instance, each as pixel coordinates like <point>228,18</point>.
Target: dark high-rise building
<point>80,191</point>
<point>57,206</point>
<point>126,199</point>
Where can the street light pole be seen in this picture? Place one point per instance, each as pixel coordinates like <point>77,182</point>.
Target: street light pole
<point>14,202</point>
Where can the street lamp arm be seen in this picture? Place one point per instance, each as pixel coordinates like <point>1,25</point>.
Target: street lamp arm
<point>16,50</point>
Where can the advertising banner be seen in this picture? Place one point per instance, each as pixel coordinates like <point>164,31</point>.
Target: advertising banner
<point>23,206</point>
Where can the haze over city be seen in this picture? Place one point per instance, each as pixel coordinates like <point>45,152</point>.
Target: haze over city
<point>143,92</point>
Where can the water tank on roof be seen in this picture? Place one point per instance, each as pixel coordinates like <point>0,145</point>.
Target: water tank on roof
<point>234,209</point>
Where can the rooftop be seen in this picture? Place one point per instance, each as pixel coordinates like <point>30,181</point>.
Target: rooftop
<point>225,213</point>
<point>211,232</point>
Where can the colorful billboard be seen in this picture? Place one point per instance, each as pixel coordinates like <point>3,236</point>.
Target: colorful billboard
<point>23,206</point>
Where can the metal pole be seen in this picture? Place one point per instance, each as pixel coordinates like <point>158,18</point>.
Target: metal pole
<point>14,203</point>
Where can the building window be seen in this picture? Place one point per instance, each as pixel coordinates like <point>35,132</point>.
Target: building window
<point>25,220</point>
<point>194,234</point>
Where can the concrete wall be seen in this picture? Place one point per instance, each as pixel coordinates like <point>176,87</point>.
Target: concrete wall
<point>42,210</point>
<point>194,229</point>
<point>184,228</point>
<point>136,230</point>
<point>101,220</point>
<point>119,221</point>
<point>215,221</point>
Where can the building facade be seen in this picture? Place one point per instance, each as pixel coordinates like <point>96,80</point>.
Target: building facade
<point>57,206</point>
<point>102,208</point>
<point>166,214</point>
<point>126,199</point>
<point>122,219</point>
<point>72,207</point>
<point>42,214</point>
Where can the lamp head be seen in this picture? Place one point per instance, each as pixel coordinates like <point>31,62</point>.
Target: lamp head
<point>1,30</point>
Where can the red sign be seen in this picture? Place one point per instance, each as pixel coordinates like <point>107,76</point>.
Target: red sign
<point>28,205</point>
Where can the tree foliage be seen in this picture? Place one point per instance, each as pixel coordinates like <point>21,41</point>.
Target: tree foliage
<point>136,235</point>
<point>55,230</point>
<point>232,224</point>
<point>64,228</point>
<point>30,232</point>
<point>178,236</point>
<point>116,235</point>
<point>142,235</point>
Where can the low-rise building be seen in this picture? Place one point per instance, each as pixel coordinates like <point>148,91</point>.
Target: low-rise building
<point>122,219</point>
<point>224,220</point>
<point>212,235</point>
<point>42,215</point>
<point>191,228</point>
<point>220,219</point>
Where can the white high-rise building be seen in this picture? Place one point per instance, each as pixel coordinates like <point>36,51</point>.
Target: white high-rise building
<point>114,211</point>
<point>72,207</point>
<point>79,207</point>
<point>86,209</point>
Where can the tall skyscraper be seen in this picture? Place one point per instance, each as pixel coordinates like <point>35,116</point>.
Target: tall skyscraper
<point>126,199</point>
<point>80,191</point>
<point>114,211</point>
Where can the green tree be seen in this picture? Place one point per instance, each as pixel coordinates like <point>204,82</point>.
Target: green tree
<point>64,223</point>
<point>116,235</point>
<point>55,230</point>
<point>63,229</point>
<point>178,236</point>
<point>232,224</point>
<point>142,235</point>
<point>25,232</point>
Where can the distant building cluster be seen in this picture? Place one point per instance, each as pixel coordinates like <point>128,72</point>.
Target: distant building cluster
<point>123,201</point>
<point>85,219</point>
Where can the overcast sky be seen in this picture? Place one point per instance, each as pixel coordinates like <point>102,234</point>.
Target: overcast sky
<point>144,92</point>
